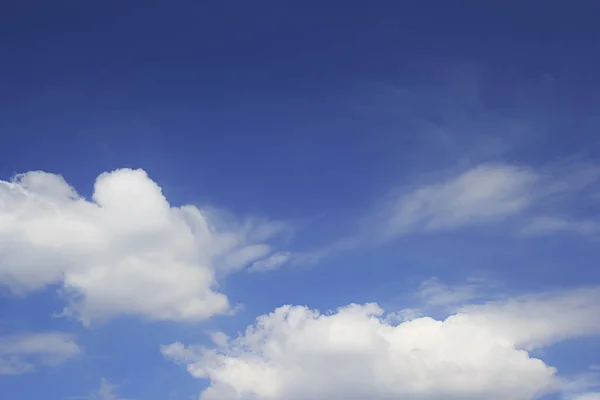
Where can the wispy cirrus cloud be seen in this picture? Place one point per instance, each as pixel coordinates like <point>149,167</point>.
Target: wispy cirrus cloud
<point>107,391</point>
<point>520,198</point>
<point>435,293</point>
<point>586,396</point>
<point>545,225</point>
<point>480,195</point>
<point>25,352</point>
<point>542,199</point>
<point>274,261</point>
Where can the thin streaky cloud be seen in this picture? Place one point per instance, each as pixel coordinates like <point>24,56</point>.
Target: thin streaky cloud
<point>26,352</point>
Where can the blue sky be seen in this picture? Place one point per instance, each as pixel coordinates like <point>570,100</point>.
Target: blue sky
<point>399,200</point>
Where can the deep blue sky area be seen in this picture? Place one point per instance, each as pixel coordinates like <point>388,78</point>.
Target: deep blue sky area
<point>250,88</point>
<point>396,142</point>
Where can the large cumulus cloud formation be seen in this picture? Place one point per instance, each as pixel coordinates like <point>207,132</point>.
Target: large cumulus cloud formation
<point>357,352</point>
<point>124,251</point>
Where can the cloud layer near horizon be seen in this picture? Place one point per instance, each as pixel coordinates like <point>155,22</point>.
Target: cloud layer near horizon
<point>124,251</point>
<point>356,352</point>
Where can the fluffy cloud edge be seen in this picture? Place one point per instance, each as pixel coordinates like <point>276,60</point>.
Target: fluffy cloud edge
<point>298,353</point>
<point>125,251</point>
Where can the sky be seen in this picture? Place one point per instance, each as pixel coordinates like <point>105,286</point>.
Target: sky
<point>267,200</point>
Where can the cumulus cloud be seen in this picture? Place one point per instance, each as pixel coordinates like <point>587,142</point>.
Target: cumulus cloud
<point>124,251</point>
<point>21,353</point>
<point>356,352</point>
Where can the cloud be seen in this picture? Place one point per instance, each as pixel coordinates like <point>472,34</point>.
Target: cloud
<point>124,251</point>
<point>106,391</point>
<point>23,353</point>
<point>539,320</point>
<point>481,352</point>
<point>540,226</point>
<point>583,386</point>
<point>485,193</point>
<point>587,396</point>
<point>274,261</point>
<point>543,198</point>
<point>286,258</point>
<point>433,292</point>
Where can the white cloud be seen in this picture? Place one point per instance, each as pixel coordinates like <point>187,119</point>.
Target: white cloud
<point>544,198</point>
<point>125,251</point>
<point>23,353</point>
<point>436,293</point>
<point>540,320</point>
<point>484,193</point>
<point>356,353</point>
<point>405,314</point>
<point>539,226</point>
<point>274,261</point>
<point>583,386</point>
<point>587,396</point>
<point>106,391</point>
